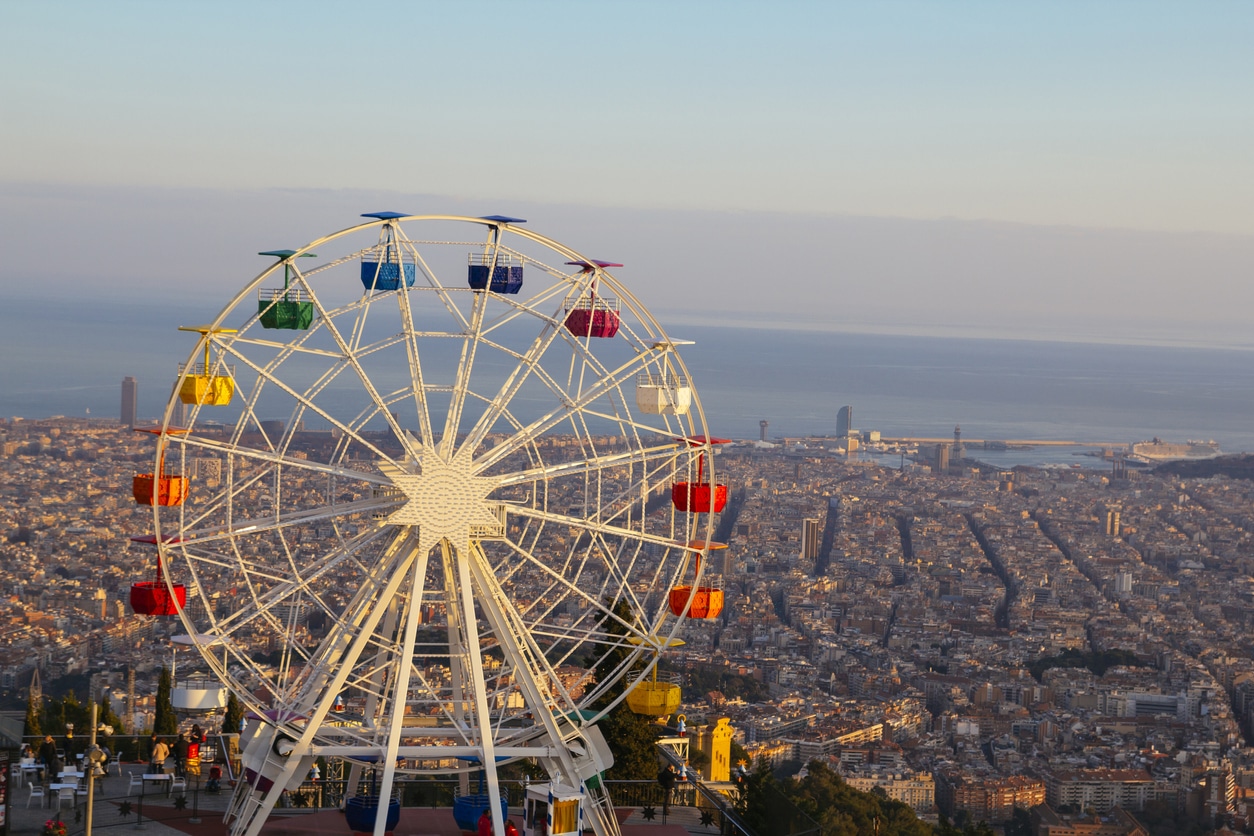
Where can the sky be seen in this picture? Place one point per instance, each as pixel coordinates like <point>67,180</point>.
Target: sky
<point>1051,170</point>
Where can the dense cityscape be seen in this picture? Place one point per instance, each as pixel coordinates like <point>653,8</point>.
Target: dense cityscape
<point>967,641</point>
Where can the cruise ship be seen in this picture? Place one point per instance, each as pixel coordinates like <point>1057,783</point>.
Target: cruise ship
<point>1156,450</point>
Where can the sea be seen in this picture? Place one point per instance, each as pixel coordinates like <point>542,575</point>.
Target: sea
<point>62,358</point>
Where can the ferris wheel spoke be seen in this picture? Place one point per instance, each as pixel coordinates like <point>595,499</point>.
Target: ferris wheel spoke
<point>510,387</point>
<point>307,403</point>
<point>470,345</point>
<point>593,526</point>
<point>434,283</point>
<point>262,525</point>
<point>554,418</point>
<point>354,632</point>
<point>349,350</point>
<point>272,458</point>
<point>660,455</point>
<point>519,646</point>
<point>565,581</point>
<point>419,389</point>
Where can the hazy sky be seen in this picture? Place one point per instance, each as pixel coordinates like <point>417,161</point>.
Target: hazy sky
<point>1051,169</point>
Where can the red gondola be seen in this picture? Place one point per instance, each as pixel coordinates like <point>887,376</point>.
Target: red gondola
<point>155,597</point>
<point>593,316</point>
<point>700,497</point>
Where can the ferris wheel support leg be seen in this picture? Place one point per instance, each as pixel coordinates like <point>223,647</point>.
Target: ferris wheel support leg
<point>457,655</point>
<point>413,617</point>
<point>465,557</point>
<point>512,636</point>
<point>319,712</point>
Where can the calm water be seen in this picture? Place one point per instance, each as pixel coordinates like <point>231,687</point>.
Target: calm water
<point>63,360</point>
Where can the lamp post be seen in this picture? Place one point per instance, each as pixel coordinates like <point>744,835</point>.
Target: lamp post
<point>92,759</point>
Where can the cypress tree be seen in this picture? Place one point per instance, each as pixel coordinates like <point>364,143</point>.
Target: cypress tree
<point>164,722</point>
<point>32,728</point>
<point>234,714</point>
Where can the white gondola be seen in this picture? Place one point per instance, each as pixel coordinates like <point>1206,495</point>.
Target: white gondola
<point>552,809</point>
<point>198,694</point>
<point>663,394</point>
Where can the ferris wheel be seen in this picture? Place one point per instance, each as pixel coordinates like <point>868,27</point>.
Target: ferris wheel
<point>431,494</point>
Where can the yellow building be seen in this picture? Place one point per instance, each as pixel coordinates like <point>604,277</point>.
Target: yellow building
<point>715,743</point>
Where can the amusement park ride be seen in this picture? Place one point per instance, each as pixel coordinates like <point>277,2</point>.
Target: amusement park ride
<point>444,501</point>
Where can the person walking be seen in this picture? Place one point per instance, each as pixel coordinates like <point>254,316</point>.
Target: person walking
<point>160,751</point>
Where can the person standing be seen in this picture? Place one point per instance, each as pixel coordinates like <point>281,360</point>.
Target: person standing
<point>485,824</point>
<point>48,757</point>
<point>180,755</point>
<point>160,751</point>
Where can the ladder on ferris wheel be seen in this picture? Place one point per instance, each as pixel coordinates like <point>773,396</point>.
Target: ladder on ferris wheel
<point>601,810</point>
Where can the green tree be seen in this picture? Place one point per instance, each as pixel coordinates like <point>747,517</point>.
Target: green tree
<point>632,739</point>
<point>32,728</point>
<point>1020,823</point>
<point>106,716</point>
<point>822,802</point>
<point>54,717</point>
<point>234,714</point>
<point>74,715</point>
<point>164,722</point>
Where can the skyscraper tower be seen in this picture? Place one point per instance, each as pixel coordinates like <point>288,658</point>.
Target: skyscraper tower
<point>130,401</point>
<point>762,425</point>
<point>959,451</point>
<point>844,421</point>
<point>811,538</point>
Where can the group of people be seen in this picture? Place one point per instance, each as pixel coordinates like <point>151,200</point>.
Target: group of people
<point>186,746</point>
<point>50,759</point>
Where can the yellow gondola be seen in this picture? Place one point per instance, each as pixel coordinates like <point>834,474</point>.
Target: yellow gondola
<point>206,383</point>
<point>653,698</point>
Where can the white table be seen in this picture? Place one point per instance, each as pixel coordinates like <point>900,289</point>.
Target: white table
<point>29,771</point>
<point>164,777</point>
<point>55,790</point>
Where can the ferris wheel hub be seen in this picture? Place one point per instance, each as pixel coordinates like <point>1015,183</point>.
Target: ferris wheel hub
<point>445,499</point>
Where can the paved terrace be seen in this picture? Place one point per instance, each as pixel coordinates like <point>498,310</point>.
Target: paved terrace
<point>154,813</point>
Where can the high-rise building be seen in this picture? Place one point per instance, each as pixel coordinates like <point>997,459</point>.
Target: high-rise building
<point>130,401</point>
<point>178,417</point>
<point>811,538</point>
<point>844,421</point>
<point>762,425</point>
<point>959,451</point>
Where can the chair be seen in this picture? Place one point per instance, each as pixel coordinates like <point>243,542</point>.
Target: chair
<point>15,774</point>
<point>66,793</point>
<point>36,791</point>
<point>137,782</point>
<point>178,784</point>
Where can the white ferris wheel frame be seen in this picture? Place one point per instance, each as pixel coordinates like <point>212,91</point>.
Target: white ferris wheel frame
<point>304,724</point>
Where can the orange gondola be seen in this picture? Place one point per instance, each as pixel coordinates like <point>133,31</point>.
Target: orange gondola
<point>159,488</point>
<point>706,600</point>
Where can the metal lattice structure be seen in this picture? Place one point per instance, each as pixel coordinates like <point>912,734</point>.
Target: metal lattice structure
<point>442,496</point>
